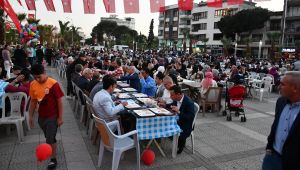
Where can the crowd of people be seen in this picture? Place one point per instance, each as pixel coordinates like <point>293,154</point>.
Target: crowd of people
<point>154,73</point>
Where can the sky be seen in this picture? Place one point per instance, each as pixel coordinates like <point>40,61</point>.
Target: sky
<point>88,21</point>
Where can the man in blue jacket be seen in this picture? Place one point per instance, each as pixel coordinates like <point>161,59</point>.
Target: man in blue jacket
<point>148,85</point>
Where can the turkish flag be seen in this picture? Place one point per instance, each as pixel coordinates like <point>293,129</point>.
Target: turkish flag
<point>185,5</point>
<point>67,6</point>
<point>110,6</point>
<point>89,6</point>
<point>235,2</point>
<point>30,4</point>
<point>11,13</point>
<point>131,6</point>
<point>20,2</point>
<point>215,3</point>
<point>155,5</point>
<point>31,16</point>
<point>49,5</point>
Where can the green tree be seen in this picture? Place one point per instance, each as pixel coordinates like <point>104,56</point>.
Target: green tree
<point>64,28</point>
<point>104,28</point>
<point>204,40</point>
<point>21,17</point>
<point>243,21</point>
<point>151,35</point>
<point>226,44</point>
<point>273,38</point>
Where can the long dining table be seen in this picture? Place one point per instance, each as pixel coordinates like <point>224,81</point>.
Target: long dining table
<point>152,122</point>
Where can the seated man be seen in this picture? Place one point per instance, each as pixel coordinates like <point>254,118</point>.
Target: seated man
<point>77,74</point>
<point>148,85</point>
<point>184,107</point>
<point>133,78</point>
<point>85,79</point>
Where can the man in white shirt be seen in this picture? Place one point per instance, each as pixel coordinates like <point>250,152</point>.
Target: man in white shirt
<point>103,103</point>
<point>168,83</point>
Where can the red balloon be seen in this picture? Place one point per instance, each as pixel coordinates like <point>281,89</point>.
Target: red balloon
<point>43,151</point>
<point>148,157</point>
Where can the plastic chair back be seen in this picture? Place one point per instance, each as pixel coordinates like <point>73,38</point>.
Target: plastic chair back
<point>107,136</point>
<point>15,104</point>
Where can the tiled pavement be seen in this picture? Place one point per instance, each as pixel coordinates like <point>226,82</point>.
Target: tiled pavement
<point>219,145</point>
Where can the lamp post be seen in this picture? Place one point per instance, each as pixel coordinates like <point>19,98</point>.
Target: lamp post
<point>235,49</point>
<point>259,49</point>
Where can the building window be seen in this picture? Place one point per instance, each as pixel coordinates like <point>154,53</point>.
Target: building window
<point>293,11</point>
<point>197,27</point>
<point>218,36</point>
<point>201,36</point>
<point>216,25</point>
<point>225,12</point>
<point>257,37</point>
<point>200,15</point>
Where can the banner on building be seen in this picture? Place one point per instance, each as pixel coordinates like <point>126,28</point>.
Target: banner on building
<point>235,2</point>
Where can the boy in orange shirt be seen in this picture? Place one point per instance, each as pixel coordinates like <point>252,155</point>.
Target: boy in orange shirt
<point>46,92</point>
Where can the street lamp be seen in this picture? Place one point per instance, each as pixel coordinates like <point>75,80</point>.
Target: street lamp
<point>235,49</point>
<point>259,49</point>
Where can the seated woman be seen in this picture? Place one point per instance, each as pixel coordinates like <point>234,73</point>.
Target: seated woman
<point>207,82</point>
<point>20,84</point>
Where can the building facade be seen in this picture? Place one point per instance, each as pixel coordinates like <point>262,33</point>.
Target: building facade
<point>202,25</point>
<point>291,25</point>
<point>128,22</point>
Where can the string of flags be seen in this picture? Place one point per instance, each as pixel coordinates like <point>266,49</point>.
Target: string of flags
<point>130,6</point>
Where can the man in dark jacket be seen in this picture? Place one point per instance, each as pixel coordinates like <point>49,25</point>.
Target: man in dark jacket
<point>283,147</point>
<point>132,78</point>
<point>184,107</point>
<point>39,55</point>
<point>20,57</point>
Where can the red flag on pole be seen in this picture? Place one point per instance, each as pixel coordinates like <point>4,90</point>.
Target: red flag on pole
<point>235,2</point>
<point>67,6</point>
<point>49,5</point>
<point>11,13</point>
<point>131,6</point>
<point>20,2</point>
<point>155,5</point>
<point>30,4</point>
<point>89,6</point>
<point>215,3</point>
<point>185,5</point>
<point>110,6</point>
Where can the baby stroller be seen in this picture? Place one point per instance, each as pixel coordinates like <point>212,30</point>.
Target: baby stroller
<point>235,102</point>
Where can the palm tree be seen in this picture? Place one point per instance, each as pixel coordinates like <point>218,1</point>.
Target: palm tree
<point>185,32</point>
<point>63,29</point>
<point>204,40</point>
<point>273,38</point>
<point>247,41</point>
<point>226,44</point>
<point>75,34</point>
<point>21,17</point>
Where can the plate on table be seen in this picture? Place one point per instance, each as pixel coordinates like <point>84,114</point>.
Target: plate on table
<point>144,113</point>
<point>132,106</point>
<point>124,96</point>
<point>123,84</point>
<point>129,89</point>
<point>138,95</point>
<point>147,101</point>
<point>117,90</point>
<point>161,111</point>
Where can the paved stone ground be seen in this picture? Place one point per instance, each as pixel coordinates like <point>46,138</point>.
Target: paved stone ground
<point>219,145</point>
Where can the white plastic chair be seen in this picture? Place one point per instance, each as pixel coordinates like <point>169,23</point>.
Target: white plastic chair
<point>14,116</point>
<point>212,98</point>
<point>197,109</point>
<point>268,83</point>
<point>91,111</point>
<point>116,143</point>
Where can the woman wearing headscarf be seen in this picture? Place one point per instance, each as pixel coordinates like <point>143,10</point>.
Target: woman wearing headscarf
<point>207,82</point>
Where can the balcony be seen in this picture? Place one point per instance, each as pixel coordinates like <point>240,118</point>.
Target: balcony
<point>184,26</point>
<point>292,31</point>
<point>167,29</point>
<point>175,19</point>
<point>268,42</point>
<point>160,27</point>
<point>273,28</point>
<point>160,37</point>
<point>185,16</point>
<point>293,3</point>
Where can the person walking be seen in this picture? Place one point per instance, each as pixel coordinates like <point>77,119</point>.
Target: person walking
<point>46,95</point>
<point>6,56</point>
<point>283,149</point>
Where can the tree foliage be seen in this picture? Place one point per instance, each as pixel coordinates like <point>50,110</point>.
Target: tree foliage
<point>151,35</point>
<point>243,21</point>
